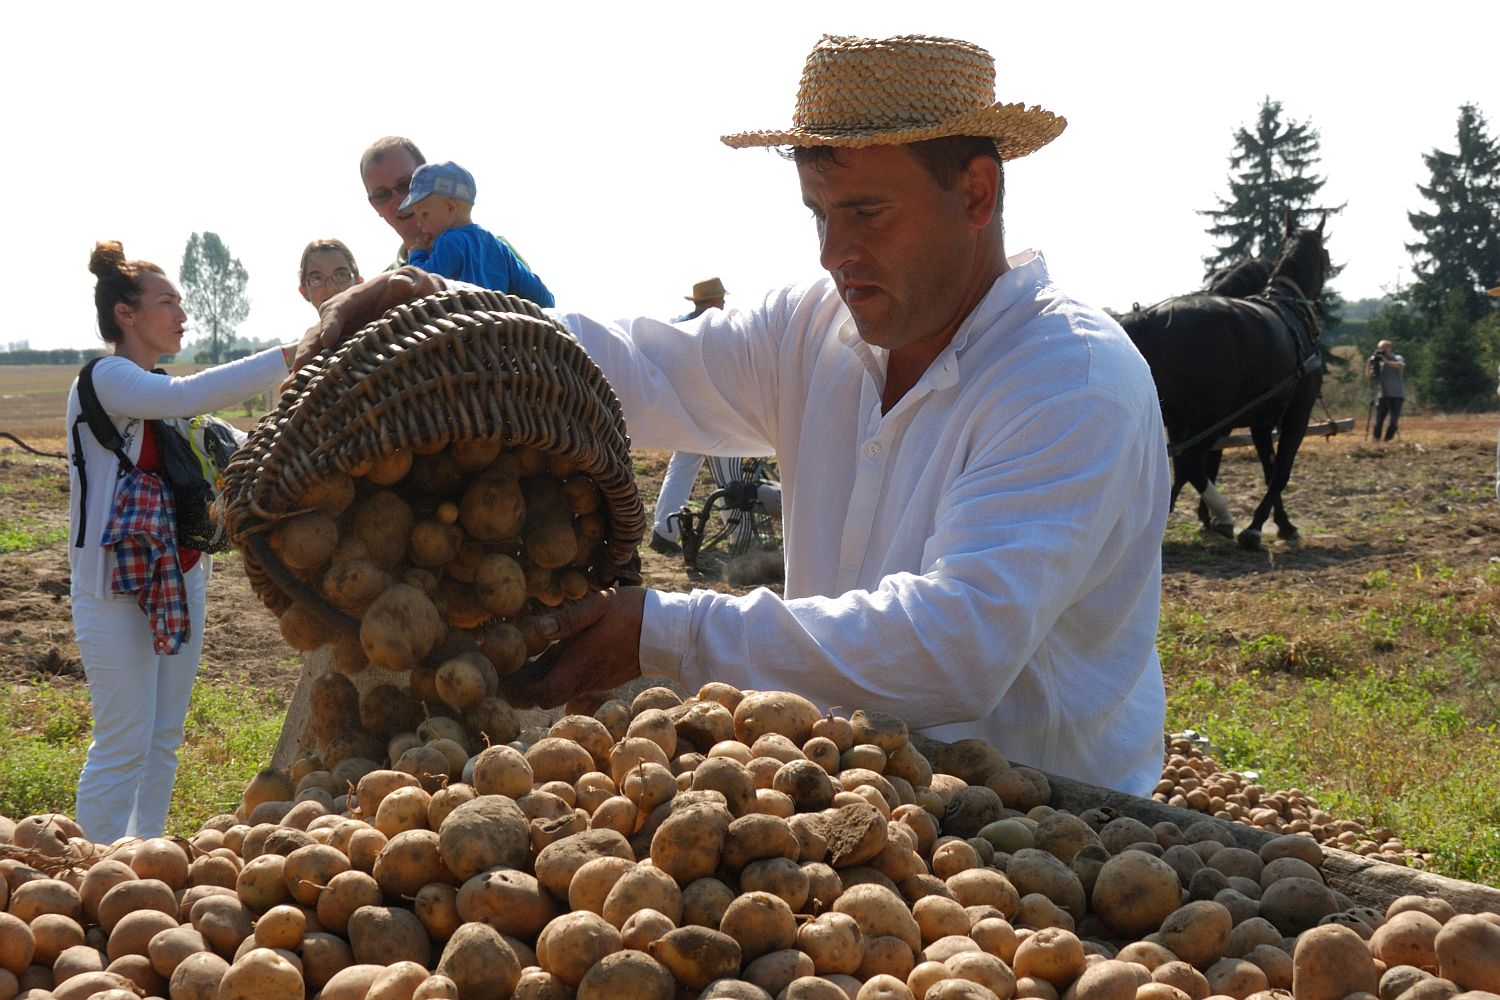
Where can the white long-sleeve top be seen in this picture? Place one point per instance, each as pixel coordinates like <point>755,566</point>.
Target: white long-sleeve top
<point>984,560</point>
<point>130,394</point>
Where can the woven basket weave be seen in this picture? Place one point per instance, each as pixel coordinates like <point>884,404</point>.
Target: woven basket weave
<point>460,365</point>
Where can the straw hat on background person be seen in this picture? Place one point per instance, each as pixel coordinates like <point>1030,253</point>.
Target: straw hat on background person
<point>858,92</point>
<point>707,291</point>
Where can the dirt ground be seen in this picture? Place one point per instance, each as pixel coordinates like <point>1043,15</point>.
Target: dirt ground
<point>1426,499</point>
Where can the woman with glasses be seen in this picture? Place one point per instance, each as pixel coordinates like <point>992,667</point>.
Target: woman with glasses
<point>328,268</point>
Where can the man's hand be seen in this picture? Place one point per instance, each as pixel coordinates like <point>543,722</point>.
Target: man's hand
<point>351,309</point>
<point>598,643</point>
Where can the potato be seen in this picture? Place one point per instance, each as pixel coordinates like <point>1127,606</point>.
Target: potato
<point>17,944</point>
<point>1197,932</point>
<point>971,760</point>
<point>557,863</point>
<point>626,975</point>
<point>985,969</point>
<point>487,831</point>
<point>197,977</point>
<point>281,927</point>
<point>1134,893</point>
<point>224,921</point>
<point>324,955</point>
<point>1235,977</point>
<point>385,934</point>
<point>465,680</point>
<point>45,895</point>
<point>400,628</point>
<point>1468,952</point>
<point>397,982</point>
<point>403,809</point>
<point>504,646</point>
<point>493,508</point>
<point>1051,954</point>
<point>389,467</point>
<point>570,945</point>
<point>1407,938</point>
<point>434,543</point>
<point>353,584</point>
<point>481,963</point>
<point>351,982</point>
<point>551,541</point>
<point>500,585</point>
<point>305,542</point>
<point>1031,870</point>
<point>1295,904</point>
<point>382,522</point>
<point>879,912</point>
<point>408,861</point>
<point>642,887</point>
<point>262,974</point>
<point>690,841</point>
<point>128,897</point>
<point>87,984</point>
<point>160,858</point>
<point>834,941</point>
<point>510,901</point>
<point>781,712</point>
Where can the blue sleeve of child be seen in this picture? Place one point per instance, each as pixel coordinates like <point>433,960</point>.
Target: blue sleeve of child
<point>526,284</point>
<point>445,258</point>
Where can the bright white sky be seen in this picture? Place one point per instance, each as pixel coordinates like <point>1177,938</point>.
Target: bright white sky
<point>592,131</point>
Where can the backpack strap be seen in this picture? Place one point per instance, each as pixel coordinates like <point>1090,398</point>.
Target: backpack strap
<point>105,432</point>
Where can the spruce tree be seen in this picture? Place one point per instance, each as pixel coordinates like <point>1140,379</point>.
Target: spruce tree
<point>1455,378</point>
<point>1458,249</point>
<point>1271,174</point>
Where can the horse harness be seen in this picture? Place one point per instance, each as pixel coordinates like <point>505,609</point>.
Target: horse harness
<point>1300,316</point>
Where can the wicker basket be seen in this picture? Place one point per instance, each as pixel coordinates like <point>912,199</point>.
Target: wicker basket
<point>451,367</point>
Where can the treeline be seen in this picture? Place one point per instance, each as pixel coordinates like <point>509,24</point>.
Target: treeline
<point>74,356</point>
<point>77,357</point>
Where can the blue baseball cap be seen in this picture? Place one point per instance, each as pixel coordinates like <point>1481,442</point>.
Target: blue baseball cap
<point>446,178</point>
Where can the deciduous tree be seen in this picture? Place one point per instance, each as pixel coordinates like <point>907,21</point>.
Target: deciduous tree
<point>213,290</point>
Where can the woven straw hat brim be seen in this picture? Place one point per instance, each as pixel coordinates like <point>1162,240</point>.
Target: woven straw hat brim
<point>1016,129</point>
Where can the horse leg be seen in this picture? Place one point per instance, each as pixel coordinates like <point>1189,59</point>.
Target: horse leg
<point>1206,513</point>
<point>1265,450</point>
<point>1293,430</point>
<point>1198,461</point>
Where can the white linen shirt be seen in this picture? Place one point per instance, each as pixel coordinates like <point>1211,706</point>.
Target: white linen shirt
<point>984,560</point>
<point>131,394</point>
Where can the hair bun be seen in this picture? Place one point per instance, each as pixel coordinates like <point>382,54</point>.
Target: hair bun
<point>107,258</point>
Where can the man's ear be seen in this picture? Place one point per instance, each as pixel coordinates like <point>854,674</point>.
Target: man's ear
<point>303,290</point>
<point>979,183</point>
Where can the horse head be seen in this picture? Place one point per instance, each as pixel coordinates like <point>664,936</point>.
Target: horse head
<point>1302,263</point>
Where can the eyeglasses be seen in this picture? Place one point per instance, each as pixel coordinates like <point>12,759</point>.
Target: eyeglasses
<point>382,195</point>
<point>340,277</point>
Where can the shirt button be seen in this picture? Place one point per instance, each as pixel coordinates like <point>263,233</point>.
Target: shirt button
<point>872,449</point>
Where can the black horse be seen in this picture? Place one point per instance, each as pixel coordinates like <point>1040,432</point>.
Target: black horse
<point>1222,362</point>
<point>1244,279</point>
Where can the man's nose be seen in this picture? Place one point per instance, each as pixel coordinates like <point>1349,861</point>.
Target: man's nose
<point>836,247</point>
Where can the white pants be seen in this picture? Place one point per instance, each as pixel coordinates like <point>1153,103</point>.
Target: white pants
<point>140,702</point>
<point>677,486</point>
<point>676,490</point>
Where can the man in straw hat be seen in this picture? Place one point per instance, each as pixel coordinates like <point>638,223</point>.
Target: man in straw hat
<point>973,469</point>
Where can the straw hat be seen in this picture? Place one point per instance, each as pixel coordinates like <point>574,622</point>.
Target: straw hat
<point>713,288</point>
<point>859,92</point>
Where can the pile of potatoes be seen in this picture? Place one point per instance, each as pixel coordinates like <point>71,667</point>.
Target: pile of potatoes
<point>426,553</point>
<point>731,844</point>
<point>1192,780</point>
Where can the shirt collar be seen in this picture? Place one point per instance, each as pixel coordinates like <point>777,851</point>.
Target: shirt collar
<point>1028,271</point>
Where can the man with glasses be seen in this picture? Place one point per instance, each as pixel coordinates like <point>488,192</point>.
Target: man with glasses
<point>386,168</point>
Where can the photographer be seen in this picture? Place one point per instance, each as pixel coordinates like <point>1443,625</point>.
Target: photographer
<point>1386,370</point>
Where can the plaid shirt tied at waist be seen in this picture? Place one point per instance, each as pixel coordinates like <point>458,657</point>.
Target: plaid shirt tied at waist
<point>142,531</point>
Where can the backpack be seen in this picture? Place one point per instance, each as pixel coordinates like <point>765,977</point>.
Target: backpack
<point>194,453</point>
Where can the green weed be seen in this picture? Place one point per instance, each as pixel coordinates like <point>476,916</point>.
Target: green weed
<point>26,536</point>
